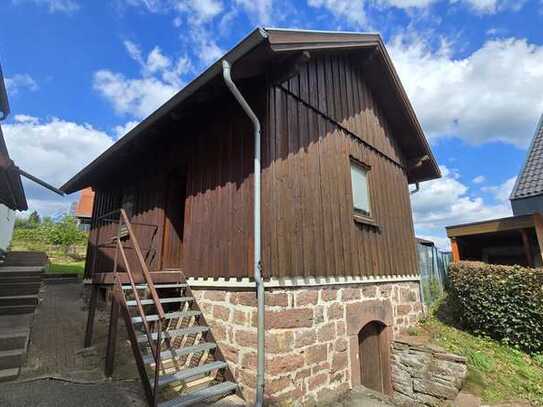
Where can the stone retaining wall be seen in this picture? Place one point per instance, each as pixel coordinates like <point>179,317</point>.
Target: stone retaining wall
<point>425,375</point>
<point>311,334</point>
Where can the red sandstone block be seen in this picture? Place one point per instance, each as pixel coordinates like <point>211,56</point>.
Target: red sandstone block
<point>339,361</point>
<point>335,311</point>
<point>327,332</point>
<point>245,337</point>
<point>329,294</point>
<point>248,360</point>
<point>403,309</point>
<point>305,338</point>
<point>317,381</point>
<point>240,317</point>
<point>349,294</point>
<point>316,353</point>
<point>290,318</point>
<point>276,299</point>
<point>280,342</point>
<point>369,292</point>
<point>215,295</point>
<point>244,298</point>
<point>341,345</point>
<point>220,312</point>
<point>307,297</point>
<point>284,364</point>
<point>276,385</point>
<point>230,353</point>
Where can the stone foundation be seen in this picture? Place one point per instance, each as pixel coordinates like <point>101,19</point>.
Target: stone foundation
<point>425,375</point>
<point>311,334</point>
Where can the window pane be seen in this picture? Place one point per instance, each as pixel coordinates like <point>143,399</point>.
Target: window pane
<point>359,178</point>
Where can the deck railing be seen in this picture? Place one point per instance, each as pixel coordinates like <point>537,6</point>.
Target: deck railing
<point>125,232</point>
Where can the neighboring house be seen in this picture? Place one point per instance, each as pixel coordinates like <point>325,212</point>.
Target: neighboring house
<point>82,209</point>
<point>513,240</point>
<point>340,146</point>
<point>12,194</point>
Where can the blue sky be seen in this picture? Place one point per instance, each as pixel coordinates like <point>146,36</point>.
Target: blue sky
<point>80,73</point>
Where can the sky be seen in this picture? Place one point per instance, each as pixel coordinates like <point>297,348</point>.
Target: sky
<point>81,73</point>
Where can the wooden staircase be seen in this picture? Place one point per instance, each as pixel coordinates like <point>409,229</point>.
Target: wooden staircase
<point>178,360</point>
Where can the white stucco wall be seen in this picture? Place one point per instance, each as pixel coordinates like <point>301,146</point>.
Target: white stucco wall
<point>7,222</point>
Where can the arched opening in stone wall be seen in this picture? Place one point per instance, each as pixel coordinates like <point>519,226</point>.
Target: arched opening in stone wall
<point>374,357</point>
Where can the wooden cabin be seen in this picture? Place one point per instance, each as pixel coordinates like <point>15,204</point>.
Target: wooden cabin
<point>340,146</point>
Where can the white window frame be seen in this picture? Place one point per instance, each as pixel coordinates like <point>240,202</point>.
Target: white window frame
<point>361,212</point>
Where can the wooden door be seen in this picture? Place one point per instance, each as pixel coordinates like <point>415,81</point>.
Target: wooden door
<point>174,217</point>
<point>373,357</point>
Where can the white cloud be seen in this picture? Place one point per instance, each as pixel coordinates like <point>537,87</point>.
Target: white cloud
<point>138,97</point>
<point>406,4</point>
<point>447,201</point>
<point>351,10</point>
<point>54,149</point>
<point>501,192</point>
<point>260,10</point>
<point>491,6</point>
<point>61,6</point>
<point>20,81</point>
<point>492,94</point>
<point>479,179</point>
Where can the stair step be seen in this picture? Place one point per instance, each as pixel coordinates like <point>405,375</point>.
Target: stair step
<point>14,278</point>
<point>150,301</point>
<point>17,309</point>
<point>14,339</point>
<point>12,358</point>
<point>175,332</point>
<point>19,300</point>
<point>19,288</point>
<point>201,395</point>
<point>174,354</point>
<point>192,372</point>
<point>144,286</point>
<point>9,374</point>
<point>169,315</point>
<point>21,269</point>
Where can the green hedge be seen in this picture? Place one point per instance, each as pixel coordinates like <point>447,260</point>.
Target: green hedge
<point>502,302</point>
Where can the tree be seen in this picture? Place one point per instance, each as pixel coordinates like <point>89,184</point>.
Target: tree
<point>64,233</point>
<point>34,218</point>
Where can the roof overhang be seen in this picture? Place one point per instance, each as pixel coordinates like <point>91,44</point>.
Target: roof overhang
<point>492,226</point>
<point>262,45</point>
<point>12,193</point>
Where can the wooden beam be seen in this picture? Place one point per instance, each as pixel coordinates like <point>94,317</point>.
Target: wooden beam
<point>527,247</point>
<point>491,226</point>
<point>455,250</point>
<point>90,318</point>
<point>538,220</point>
<point>112,335</point>
<point>157,276</point>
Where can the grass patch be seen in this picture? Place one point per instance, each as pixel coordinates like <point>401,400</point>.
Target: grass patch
<point>74,267</point>
<point>496,372</point>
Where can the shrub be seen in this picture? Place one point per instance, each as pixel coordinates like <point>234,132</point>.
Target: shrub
<point>502,302</point>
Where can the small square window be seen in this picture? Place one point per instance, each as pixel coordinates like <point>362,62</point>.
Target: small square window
<point>361,197</point>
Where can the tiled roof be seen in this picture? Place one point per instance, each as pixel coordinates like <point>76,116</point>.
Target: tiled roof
<point>530,180</point>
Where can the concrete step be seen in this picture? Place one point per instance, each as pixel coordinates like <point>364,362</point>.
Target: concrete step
<point>19,289</point>
<point>13,339</point>
<point>20,271</point>
<point>14,278</point>
<point>17,309</point>
<point>19,300</point>
<point>9,374</point>
<point>12,358</point>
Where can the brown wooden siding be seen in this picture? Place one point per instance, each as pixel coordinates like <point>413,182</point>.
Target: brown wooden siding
<point>317,121</point>
<point>312,125</point>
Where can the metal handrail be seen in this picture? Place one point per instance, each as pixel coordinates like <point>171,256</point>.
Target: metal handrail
<point>155,351</point>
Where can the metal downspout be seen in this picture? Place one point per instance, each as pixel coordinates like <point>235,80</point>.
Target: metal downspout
<point>257,250</point>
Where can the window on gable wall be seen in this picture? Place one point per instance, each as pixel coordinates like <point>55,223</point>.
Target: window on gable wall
<point>360,189</point>
<point>129,201</point>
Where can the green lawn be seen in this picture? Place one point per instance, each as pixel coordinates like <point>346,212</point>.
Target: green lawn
<point>72,267</point>
<point>496,372</point>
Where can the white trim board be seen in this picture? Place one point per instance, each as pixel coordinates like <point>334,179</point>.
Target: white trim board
<point>298,281</point>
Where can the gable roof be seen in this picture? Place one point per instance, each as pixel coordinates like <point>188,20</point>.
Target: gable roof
<point>264,46</point>
<point>530,180</point>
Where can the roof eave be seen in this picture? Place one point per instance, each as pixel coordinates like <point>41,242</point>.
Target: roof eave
<point>243,47</point>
